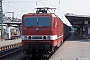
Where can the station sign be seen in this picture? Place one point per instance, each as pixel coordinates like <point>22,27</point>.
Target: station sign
<point>85,22</point>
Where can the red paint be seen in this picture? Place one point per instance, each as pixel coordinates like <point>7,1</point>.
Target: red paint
<point>55,28</point>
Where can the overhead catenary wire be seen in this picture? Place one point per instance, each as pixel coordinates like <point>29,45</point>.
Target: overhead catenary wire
<point>45,5</point>
<point>53,5</point>
<point>28,1</point>
<point>20,2</point>
<point>14,8</point>
<point>16,1</point>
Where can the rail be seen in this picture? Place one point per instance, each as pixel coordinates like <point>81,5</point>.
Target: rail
<point>3,48</point>
<point>75,59</point>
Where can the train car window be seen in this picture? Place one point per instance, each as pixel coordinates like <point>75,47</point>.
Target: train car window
<point>44,21</point>
<point>30,21</point>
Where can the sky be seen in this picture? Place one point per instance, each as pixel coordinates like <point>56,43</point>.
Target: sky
<point>20,7</point>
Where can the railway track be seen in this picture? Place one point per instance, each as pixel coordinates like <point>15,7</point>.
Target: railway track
<point>34,58</point>
<point>38,58</point>
<point>9,53</point>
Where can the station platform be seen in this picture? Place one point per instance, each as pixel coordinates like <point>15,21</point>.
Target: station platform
<point>74,48</point>
<point>9,42</point>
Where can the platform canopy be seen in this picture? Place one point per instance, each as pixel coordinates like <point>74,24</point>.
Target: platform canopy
<point>13,23</point>
<point>78,19</point>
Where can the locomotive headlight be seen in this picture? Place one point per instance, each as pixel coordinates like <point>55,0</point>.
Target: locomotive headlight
<point>48,37</point>
<point>29,37</point>
<point>44,37</point>
<point>25,37</point>
<point>51,37</point>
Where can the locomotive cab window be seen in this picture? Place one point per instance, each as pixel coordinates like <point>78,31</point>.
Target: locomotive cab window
<point>30,21</point>
<point>37,21</point>
<point>44,21</point>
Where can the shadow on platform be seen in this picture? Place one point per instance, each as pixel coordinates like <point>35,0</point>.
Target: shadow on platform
<point>73,37</point>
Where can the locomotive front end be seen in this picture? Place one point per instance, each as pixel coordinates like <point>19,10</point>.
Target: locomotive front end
<point>41,33</point>
<point>36,34</point>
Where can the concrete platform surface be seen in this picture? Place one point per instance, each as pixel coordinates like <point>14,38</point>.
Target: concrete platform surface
<point>9,42</point>
<point>74,48</point>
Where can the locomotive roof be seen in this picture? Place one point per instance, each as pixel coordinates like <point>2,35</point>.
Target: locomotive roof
<point>43,14</point>
<point>45,8</point>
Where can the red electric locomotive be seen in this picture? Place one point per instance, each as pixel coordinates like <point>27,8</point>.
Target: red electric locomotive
<point>42,32</point>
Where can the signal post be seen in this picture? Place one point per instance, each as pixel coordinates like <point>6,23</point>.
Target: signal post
<point>1,20</point>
